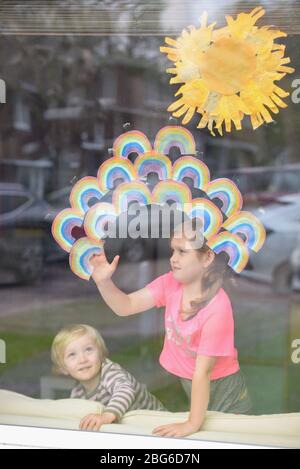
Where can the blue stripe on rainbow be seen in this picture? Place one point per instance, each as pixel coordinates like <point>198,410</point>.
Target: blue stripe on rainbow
<point>131,191</point>
<point>96,218</point>
<point>188,166</point>
<point>208,213</point>
<point>153,162</point>
<point>133,141</point>
<point>248,225</point>
<point>80,255</point>
<point>83,192</point>
<point>175,136</point>
<point>63,225</point>
<point>228,193</point>
<point>233,246</point>
<point>113,169</point>
<point>175,191</point>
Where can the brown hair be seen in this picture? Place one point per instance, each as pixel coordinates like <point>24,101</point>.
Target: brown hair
<point>213,278</point>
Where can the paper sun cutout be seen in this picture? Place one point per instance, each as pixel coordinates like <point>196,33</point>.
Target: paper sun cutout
<point>228,73</point>
<point>226,227</point>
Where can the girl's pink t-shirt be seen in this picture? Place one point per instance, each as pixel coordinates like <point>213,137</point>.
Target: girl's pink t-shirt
<point>210,332</point>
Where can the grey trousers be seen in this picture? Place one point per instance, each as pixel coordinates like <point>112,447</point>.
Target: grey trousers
<point>229,394</point>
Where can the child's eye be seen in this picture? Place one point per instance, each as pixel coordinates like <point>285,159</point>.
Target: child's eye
<point>89,349</point>
<point>71,355</point>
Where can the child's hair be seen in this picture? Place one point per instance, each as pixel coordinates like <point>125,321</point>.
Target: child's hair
<point>214,276</point>
<point>66,336</point>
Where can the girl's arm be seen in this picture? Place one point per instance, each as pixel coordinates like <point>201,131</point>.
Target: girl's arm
<point>199,401</point>
<point>201,389</point>
<point>121,303</point>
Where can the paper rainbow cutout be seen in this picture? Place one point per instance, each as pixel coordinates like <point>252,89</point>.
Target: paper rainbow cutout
<point>208,213</point>
<point>132,141</point>
<point>175,136</point>
<point>232,245</point>
<point>153,162</point>
<point>63,225</point>
<point>96,219</point>
<point>128,192</point>
<point>83,192</point>
<point>227,192</point>
<point>80,256</point>
<point>113,169</point>
<point>175,191</point>
<point>249,226</point>
<point>188,166</point>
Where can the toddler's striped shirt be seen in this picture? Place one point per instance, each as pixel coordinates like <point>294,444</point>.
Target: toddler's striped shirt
<point>118,391</point>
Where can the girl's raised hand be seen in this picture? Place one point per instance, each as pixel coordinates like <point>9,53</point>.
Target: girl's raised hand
<point>102,269</point>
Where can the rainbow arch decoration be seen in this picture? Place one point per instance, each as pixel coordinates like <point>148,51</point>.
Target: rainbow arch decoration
<point>80,229</point>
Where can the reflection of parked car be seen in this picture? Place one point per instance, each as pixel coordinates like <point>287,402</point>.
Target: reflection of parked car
<point>295,265</point>
<point>23,220</point>
<point>273,262</point>
<point>60,199</point>
<point>263,185</point>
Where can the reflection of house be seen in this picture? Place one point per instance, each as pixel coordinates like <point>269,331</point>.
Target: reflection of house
<point>32,174</point>
<point>20,129</point>
<point>84,96</point>
<point>72,134</point>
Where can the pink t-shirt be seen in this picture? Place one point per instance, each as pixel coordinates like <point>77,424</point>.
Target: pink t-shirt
<point>210,332</point>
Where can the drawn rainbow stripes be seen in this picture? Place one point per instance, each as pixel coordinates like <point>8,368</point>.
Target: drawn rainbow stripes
<point>153,162</point>
<point>113,169</point>
<point>188,166</point>
<point>128,192</point>
<point>208,213</point>
<point>63,226</point>
<point>233,246</point>
<point>175,136</point>
<point>96,219</point>
<point>228,193</point>
<point>247,224</point>
<point>174,191</point>
<point>80,256</point>
<point>85,191</point>
<point>133,141</point>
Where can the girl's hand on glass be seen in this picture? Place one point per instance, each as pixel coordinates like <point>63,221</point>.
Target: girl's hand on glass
<point>102,269</point>
<point>176,429</point>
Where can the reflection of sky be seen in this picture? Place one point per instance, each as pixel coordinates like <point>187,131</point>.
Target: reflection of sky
<point>136,16</point>
<point>177,15</point>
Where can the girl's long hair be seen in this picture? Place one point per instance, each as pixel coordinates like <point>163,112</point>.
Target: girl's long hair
<point>213,279</point>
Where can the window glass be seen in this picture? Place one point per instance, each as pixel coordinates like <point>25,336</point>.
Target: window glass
<point>75,80</point>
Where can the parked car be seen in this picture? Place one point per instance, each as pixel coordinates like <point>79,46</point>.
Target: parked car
<point>295,265</point>
<point>261,186</point>
<point>273,263</point>
<point>23,228</point>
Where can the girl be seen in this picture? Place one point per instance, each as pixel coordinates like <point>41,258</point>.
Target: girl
<point>199,327</point>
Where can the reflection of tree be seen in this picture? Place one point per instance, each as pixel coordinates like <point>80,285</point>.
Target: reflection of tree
<point>111,79</point>
<point>70,79</point>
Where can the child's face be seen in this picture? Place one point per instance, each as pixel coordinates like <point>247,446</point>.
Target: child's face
<point>81,359</point>
<point>186,263</point>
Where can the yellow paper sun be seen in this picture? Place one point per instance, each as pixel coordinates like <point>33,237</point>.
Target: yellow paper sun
<point>228,73</point>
